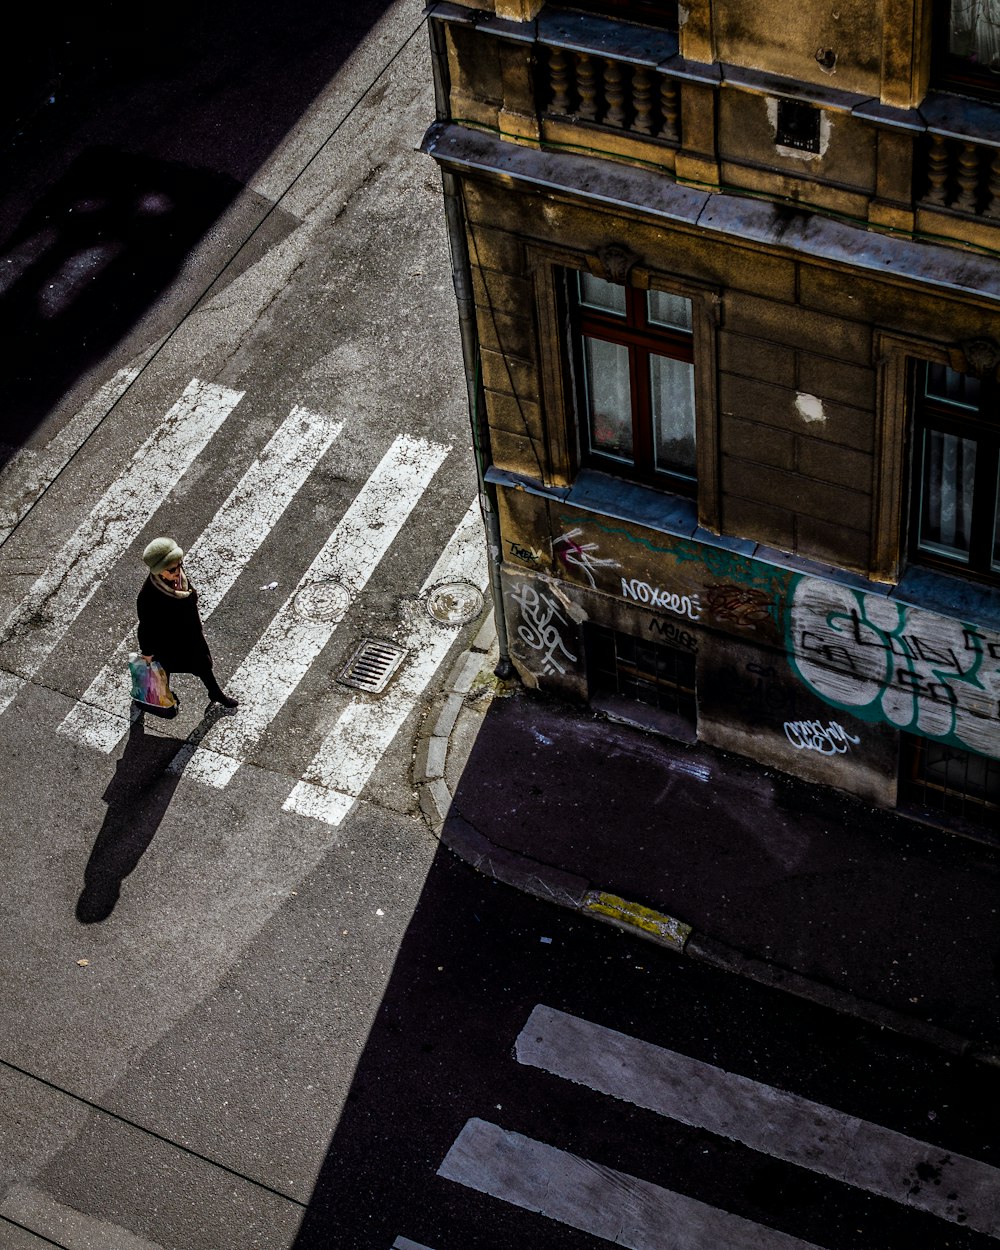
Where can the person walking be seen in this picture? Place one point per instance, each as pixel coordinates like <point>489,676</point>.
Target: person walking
<point>170,629</point>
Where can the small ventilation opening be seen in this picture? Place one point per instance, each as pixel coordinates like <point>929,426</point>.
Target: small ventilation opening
<point>798,126</point>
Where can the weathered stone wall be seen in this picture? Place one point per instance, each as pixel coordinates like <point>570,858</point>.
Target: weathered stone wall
<point>797,427</point>
<point>812,676</point>
<point>797,420</point>
<point>769,35</point>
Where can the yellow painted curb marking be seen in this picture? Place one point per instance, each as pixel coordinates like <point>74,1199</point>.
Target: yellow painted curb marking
<point>669,930</point>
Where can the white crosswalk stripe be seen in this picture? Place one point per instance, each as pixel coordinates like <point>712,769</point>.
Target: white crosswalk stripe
<point>36,626</point>
<point>404,1243</point>
<point>340,769</point>
<point>284,653</point>
<point>633,1212</point>
<point>785,1126</point>
<point>269,675</point>
<point>598,1200</point>
<point>216,558</point>
<point>29,471</point>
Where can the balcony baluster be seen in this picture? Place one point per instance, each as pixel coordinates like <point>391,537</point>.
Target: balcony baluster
<point>968,178</point>
<point>614,94</point>
<point>559,81</point>
<point>669,109</point>
<point>642,101</point>
<point>992,208</point>
<point>586,85</point>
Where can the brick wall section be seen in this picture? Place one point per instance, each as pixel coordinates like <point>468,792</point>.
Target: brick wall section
<point>797,422</point>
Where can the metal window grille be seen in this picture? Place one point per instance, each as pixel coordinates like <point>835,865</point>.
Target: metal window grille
<point>953,782</point>
<point>798,126</point>
<point>648,672</point>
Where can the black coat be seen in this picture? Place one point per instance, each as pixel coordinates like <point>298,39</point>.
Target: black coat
<point>170,630</point>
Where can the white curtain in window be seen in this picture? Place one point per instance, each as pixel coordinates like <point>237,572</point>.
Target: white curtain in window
<point>949,479</point>
<point>609,396</point>
<point>672,388</point>
<point>975,31</point>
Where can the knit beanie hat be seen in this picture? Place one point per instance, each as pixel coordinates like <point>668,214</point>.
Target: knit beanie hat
<point>161,553</point>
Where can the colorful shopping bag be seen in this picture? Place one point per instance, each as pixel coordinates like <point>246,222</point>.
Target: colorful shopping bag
<point>151,687</point>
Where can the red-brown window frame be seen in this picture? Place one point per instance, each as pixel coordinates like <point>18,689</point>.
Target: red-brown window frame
<point>633,332</point>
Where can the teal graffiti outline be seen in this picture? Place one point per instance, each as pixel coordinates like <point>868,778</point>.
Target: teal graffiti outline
<point>902,660</point>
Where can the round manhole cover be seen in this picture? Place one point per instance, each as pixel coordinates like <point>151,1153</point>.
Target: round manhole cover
<point>323,601</point>
<point>455,603</point>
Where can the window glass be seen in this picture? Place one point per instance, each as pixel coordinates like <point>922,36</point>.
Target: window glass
<point>664,309</point>
<point>948,478</point>
<point>672,394</point>
<point>609,398</point>
<point>961,390</point>
<point>596,293</point>
<point>974,33</point>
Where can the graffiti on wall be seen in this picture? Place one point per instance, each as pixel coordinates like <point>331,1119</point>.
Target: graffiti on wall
<point>541,624</point>
<point>528,554</point>
<point>657,597</point>
<point>673,633</point>
<point>742,606</point>
<point>813,735</point>
<point>885,661</point>
<point>737,589</point>
<point>582,556</point>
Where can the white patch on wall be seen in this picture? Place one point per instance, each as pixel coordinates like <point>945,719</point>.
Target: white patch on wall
<point>797,153</point>
<point>683,14</point>
<point>809,407</point>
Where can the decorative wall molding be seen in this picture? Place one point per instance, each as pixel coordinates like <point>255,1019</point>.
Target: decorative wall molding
<point>980,357</point>
<point>616,262</point>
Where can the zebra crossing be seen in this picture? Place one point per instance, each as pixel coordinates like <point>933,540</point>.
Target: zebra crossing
<point>637,1213</point>
<point>300,628</point>
<point>280,659</point>
<point>35,627</point>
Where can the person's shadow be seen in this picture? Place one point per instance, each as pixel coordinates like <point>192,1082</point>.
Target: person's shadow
<point>137,797</point>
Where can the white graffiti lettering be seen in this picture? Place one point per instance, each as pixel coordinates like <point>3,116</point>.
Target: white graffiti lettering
<point>539,629</point>
<point>657,597</point>
<point>581,555</point>
<point>812,735</point>
<point>887,661</point>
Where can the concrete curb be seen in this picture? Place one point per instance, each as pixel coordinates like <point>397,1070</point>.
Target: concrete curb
<point>441,751</point>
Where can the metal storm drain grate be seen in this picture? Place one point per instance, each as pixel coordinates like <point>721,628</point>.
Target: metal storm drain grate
<point>371,665</point>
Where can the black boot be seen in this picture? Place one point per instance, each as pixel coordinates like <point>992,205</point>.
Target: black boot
<point>217,695</point>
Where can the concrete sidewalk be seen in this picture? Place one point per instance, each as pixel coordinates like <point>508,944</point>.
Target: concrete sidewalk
<point>798,887</point>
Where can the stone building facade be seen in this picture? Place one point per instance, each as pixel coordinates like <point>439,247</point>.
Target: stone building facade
<point>730,293</point>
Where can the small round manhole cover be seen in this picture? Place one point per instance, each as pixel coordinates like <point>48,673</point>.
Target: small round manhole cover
<point>454,603</point>
<point>323,601</point>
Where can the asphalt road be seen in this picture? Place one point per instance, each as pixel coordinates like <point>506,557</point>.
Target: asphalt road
<point>247,1001</point>
<point>478,959</point>
<point>312,1098</point>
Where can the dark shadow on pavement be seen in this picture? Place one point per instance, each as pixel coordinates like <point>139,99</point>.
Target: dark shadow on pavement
<point>125,135</point>
<point>476,959</point>
<point>138,797</point>
<point>810,879</point>
<point>88,259</point>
